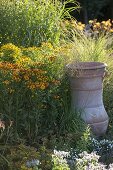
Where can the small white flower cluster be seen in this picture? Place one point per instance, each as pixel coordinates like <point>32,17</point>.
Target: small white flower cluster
<point>90,162</point>
<point>64,157</point>
<point>102,146</point>
<point>110,166</point>
<point>62,154</point>
<point>72,154</point>
<point>89,157</point>
<point>59,159</point>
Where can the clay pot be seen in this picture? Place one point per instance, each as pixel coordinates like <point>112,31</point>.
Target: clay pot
<point>86,90</point>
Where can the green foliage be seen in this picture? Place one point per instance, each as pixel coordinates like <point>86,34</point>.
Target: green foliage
<point>59,163</point>
<point>108,100</point>
<point>31,22</point>
<point>35,96</point>
<point>21,157</point>
<point>31,91</point>
<point>84,143</point>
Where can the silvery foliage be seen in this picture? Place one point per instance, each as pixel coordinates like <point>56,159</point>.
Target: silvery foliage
<point>103,146</point>
<point>32,163</point>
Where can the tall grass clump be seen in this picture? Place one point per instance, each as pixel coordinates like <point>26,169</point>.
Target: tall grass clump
<point>98,49</point>
<point>30,22</point>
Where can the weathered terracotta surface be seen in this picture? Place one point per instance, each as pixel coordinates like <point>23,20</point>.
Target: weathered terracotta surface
<point>86,90</point>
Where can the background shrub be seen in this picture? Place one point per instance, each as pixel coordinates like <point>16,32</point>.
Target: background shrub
<point>31,22</point>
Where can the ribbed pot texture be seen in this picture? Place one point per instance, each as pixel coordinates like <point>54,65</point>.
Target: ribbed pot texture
<point>86,80</point>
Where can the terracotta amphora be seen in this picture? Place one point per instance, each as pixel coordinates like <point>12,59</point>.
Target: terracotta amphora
<point>86,82</point>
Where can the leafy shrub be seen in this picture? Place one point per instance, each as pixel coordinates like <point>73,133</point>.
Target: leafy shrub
<point>35,94</point>
<point>31,91</point>
<point>31,22</point>
<point>21,157</point>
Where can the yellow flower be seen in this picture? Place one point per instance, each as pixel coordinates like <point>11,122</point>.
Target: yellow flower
<point>79,23</point>
<point>91,21</point>
<point>94,26</point>
<point>97,24</point>
<point>6,82</point>
<point>107,23</point>
<point>24,61</point>
<point>111,30</point>
<point>80,27</point>
<point>31,85</point>
<point>105,28</point>
<point>103,22</point>
<point>47,45</point>
<point>11,90</point>
<point>10,52</point>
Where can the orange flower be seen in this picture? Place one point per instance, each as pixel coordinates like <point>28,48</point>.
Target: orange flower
<point>43,86</point>
<point>15,76</point>
<point>56,97</point>
<point>52,58</point>
<point>56,82</point>
<point>31,86</point>
<point>26,77</point>
<point>11,90</point>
